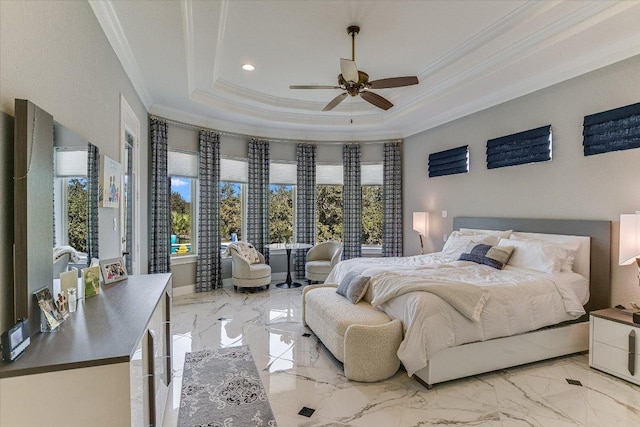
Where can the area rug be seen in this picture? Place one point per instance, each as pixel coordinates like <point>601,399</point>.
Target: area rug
<point>222,388</point>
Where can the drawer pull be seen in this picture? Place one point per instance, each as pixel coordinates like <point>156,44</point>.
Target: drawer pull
<point>632,352</point>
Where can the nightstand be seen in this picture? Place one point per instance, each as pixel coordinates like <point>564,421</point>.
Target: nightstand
<point>614,344</point>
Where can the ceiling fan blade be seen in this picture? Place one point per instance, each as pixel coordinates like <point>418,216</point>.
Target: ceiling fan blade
<point>393,82</point>
<point>377,100</point>
<point>313,87</point>
<point>335,101</point>
<point>349,70</point>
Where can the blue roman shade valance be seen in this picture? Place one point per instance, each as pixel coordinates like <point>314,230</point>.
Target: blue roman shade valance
<point>613,130</point>
<point>530,146</point>
<point>449,162</point>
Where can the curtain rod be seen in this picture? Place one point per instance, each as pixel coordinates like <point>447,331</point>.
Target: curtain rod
<point>242,135</point>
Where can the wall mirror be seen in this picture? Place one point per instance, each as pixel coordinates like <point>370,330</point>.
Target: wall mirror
<point>75,194</point>
<point>33,208</point>
<point>34,212</point>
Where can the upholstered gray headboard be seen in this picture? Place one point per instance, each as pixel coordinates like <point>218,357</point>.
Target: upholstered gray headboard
<point>599,231</point>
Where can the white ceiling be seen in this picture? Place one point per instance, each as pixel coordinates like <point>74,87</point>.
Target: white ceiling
<point>184,58</point>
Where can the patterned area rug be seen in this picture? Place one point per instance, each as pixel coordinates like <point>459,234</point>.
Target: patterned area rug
<point>222,388</point>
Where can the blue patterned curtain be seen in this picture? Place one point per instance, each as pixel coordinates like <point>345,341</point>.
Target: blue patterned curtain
<point>305,202</point>
<point>392,189</point>
<point>208,266</point>
<point>159,199</point>
<point>128,188</point>
<point>258,197</point>
<point>93,194</point>
<point>352,202</point>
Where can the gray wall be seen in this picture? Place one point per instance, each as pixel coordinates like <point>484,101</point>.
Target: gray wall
<point>56,55</point>
<point>570,186</point>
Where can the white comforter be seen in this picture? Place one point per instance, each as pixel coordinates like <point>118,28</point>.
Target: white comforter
<point>519,301</point>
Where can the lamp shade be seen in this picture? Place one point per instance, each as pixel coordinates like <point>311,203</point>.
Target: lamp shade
<point>629,238</point>
<point>421,222</point>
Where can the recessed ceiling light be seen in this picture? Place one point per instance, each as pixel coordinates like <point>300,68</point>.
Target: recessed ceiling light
<point>248,67</point>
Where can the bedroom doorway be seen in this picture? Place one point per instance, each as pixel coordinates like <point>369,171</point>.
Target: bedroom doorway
<point>130,206</point>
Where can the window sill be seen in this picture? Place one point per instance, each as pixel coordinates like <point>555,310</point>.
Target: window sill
<point>185,259</point>
<point>371,251</point>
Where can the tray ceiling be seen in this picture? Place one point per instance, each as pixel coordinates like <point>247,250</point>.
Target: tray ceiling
<point>184,58</point>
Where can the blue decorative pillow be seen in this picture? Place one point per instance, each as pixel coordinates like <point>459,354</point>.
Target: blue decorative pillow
<point>353,287</point>
<point>493,256</point>
<point>343,286</point>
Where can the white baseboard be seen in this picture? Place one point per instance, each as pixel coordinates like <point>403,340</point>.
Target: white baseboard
<point>191,289</point>
<point>184,290</point>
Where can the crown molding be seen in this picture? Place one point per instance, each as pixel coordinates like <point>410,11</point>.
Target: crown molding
<point>287,116</point>
<point>611,54</point>
<point>549,35</point>
<point>529,10</point>
<point>186,7</point>
<point>106,15</point>
<point>266,131</point>
<point>222,26</point>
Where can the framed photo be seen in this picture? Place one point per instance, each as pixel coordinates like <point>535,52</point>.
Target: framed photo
<point>113,270</point>
<point>48,308</point>
<point>109,185</point>
<point>91,279</point>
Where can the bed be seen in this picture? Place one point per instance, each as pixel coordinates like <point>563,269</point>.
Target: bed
<point>440,344</point>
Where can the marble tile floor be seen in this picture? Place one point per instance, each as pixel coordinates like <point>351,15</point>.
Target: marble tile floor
<point>297,372</point>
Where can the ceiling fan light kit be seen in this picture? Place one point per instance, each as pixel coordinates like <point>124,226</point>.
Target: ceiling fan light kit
<point>355,82</point>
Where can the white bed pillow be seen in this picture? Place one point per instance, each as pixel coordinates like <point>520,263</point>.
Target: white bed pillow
<point>493,236</point>
<point>570,243</point>
<point>457,243</point>
<point>544,257</point>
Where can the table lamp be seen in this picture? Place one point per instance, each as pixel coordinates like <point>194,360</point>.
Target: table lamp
<point>630,240</point>
<point>421,225</point>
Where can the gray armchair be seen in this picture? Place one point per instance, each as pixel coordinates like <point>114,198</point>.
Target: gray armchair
<point>60,265</point>
<point>247,274</point>
<point>321,259</point>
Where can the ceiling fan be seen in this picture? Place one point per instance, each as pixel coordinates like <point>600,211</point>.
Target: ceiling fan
<point>356,82</point>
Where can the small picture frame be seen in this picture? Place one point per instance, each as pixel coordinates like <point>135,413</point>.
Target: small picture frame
<point>52,318</point>
<point>113,270</point>
<point>91,279</point>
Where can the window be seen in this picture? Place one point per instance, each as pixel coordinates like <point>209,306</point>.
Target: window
<point>70,194</point>
<point>329,213</point>
<point>372,204</point>
<point>372,218</point>
<point>74,213</point>
<point>329,181</point>
<point>282,177</point>
<point>234,174</point>
<point>182,215</point>
<point>183,171</point>
<point>231,211</point>
<point>281,217</point>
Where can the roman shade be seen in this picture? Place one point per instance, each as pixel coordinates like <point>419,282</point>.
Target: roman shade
<point>530,146</point>
<point>182,163</point>
<point>329,175</point>
<point>70,162</point>
<point>449,162</point>
<point>234,170</point>
<point>371,174</point>
<point>612,130</point>
<point>282,173</point>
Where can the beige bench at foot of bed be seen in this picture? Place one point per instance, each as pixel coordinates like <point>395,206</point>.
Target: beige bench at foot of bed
<point>362,337</point>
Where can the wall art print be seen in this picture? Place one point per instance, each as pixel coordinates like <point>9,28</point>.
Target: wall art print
<point>110,182</point>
